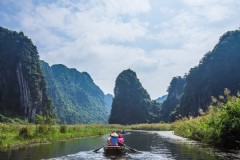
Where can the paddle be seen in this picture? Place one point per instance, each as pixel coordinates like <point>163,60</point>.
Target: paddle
<point>99,148</point>
<point>131,149</point>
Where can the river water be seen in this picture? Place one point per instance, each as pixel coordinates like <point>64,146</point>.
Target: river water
<point>151,146</point>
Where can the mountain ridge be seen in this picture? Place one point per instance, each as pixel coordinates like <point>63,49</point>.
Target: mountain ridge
<point>74,93</point>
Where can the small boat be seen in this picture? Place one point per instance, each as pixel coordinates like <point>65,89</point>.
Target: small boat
<point>114,150</point>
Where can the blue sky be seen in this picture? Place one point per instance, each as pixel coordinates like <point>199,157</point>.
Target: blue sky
<point>158,39</point>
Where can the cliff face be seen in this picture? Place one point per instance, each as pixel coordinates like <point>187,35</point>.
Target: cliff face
<point>218,69</point>
<point>22,86</point>
<point>131,103</point>
<point>108,98</point>
<point>77,99</point>
<point>175,92</point>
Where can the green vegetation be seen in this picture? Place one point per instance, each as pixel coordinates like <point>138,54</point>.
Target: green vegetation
<point>219,127</point>
<point>76,98</point>
<point>16,120</point>
<point>14,136</point>
<point>22,85</point>
<point>132,103</point>
<point>170,105</point>
<point>217,70</point>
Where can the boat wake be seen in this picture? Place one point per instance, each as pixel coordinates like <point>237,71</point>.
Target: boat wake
<point>84,155</point>
<point>89,155</point>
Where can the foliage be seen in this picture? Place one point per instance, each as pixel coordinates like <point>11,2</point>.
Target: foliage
<point>77,99</point>
<point>175,91</point>
<point>132,103</point>
<point>217,70</point>
<point>13,136</point>
<point>220,126</point>
<point>63,129</point>
<point>24,133</point>
<point>39,119</point>
<point>108,98</point>
<point>16,120</point>
<point>228,121</point>
<point>22,85</point>
<point>45,129</point>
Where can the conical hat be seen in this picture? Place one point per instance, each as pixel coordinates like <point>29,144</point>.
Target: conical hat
<point>114,134</point>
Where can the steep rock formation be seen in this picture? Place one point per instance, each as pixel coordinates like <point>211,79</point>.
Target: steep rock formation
<point>169,106</point>
<point>108,98</point>
<point>161,99</point>
<point>77,99</point>
<point>22,86</point>
<point>131,103</point>
<point>217,70</point>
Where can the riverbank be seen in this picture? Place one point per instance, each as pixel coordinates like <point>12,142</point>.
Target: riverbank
<point>13,136</point>
<point>220,126</point>
<point>200,129</point>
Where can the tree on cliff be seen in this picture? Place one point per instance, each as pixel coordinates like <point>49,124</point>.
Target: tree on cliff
<point>175,91</point>
<point>132,102</point>
<point>217,70</point>
<point>22,85</point>
<point>77,99</point>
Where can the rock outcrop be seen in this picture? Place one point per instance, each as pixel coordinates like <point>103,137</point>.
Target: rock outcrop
<point>22,85</point>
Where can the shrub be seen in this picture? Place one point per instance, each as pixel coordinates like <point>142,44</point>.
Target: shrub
<point>63,129</point>
<point>45,129</point>
<point>229,123</point>
<point>24,133</point>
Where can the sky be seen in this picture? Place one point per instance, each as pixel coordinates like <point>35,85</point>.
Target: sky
<point>158,39</point>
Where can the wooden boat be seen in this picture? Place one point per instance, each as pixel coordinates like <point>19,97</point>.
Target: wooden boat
<point>114,150</point>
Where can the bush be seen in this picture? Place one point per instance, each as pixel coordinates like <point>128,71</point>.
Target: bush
<point>63,129</point>
<point>229,123</point>
<point>24,133</point>
<point>45,129</point>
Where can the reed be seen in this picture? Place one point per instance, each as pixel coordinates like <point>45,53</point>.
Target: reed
<point>220,126</point>
<point>15,135</point>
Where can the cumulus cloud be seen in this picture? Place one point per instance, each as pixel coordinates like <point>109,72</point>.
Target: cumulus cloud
<point>157,39</point>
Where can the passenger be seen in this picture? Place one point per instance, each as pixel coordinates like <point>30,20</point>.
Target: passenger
<point>123,131</point>
<point>120,131</point>
<point>120,140</point>
<point>108,140</point>
<point>114,139</point>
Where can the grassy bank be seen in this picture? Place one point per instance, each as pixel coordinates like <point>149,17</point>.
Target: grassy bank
<point>219,127</point>
<point>15,136</point>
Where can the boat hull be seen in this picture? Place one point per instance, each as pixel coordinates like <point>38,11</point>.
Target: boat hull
<point>114,150</point>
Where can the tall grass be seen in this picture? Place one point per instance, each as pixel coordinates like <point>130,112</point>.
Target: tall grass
<point>15,135</point>
<point>219,127</point>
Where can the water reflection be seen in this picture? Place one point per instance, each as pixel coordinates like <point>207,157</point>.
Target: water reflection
<point>152,146</point>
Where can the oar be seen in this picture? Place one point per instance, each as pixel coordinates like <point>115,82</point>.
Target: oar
<point>131,149</point>
<point>99,148</point>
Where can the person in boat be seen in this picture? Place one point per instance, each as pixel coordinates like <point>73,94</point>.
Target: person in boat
<point>120,140</point>
<point>122,131</point>
<point>113,139</point>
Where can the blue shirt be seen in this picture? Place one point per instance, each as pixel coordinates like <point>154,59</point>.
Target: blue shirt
<point>114,141</point>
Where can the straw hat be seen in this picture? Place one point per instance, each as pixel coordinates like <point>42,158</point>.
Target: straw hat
<point>114,134</point>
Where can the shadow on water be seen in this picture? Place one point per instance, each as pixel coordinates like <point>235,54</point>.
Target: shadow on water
<point>151,145</point>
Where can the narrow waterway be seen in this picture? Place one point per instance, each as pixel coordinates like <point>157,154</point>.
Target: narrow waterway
<point>151,145</point>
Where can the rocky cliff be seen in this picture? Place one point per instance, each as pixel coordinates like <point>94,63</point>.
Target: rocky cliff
<point>218,69</point>
<point>77,99</point>
<point>131,103</point>
<point>22,85</point>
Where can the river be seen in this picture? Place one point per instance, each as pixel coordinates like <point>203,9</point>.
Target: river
<point>151,146</point>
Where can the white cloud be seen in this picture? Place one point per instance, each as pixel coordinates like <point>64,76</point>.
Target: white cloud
<point>105,37</point>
